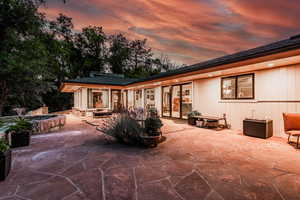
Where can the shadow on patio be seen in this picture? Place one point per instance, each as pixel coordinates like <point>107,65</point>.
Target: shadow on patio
<point>192,164</point>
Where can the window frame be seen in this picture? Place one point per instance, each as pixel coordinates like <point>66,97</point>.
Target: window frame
<point>236,87</point>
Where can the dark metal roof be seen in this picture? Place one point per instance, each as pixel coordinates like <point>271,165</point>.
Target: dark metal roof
<point>104,79</point>
<point>277,47</point>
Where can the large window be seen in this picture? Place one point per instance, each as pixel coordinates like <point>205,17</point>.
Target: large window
<point>186,100</point>
<point>116,100</point>
<point>166,101</point>
<point>149,98</point>
<point>238,87</point>
<point>138,101</point>
<point>177,100</point>
<point>97,98</point>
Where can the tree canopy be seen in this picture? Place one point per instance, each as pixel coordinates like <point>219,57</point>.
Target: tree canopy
<point>37,55</point>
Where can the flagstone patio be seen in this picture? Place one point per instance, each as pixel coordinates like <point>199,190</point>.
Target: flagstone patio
<point>192,163</point>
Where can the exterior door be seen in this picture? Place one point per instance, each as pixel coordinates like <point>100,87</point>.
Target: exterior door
<point>116,100</point>
<point>166,101</point>
<point>177,100</point>
<point>125,99</point>
<point>186,100</point>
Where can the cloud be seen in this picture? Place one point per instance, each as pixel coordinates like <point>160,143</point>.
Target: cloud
<point>188,31</point>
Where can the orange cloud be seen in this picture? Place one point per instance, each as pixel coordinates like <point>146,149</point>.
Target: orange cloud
<point>188,31</point>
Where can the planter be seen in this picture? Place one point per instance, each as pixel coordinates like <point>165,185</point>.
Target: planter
<point>150,141</point>
<point>192,121</point>
<point>5,164</point>
<point>19,139</point>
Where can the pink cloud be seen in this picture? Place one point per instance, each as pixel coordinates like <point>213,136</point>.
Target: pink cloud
<point>189,31</point>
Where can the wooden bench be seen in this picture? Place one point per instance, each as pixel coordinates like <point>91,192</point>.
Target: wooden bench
<point>207,119</point>
<point>100,114</point>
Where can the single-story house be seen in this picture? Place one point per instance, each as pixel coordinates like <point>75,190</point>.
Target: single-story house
<point>259,83</point>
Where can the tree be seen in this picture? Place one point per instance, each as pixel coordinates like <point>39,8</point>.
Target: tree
<point>91,44</point>
<point>62,61</point>
<point>119,53</point>
<point>22,53</point>
<point>140,58</point>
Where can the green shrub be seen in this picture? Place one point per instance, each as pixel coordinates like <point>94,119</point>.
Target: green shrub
<point>20,125</point>
<point>153,125</point>
<point>124,128</point>
<point>3,146</point>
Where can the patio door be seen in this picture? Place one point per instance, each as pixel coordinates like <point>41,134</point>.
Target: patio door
<point>166,101</point>
<point>116,100</point>
<point>177,100</point>
<point>125,99</point>
<point>186,100</point>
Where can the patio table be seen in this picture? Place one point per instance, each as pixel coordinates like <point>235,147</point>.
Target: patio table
<point>205,117</point>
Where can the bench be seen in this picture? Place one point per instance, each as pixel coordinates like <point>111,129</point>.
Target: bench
<point>211,119</point>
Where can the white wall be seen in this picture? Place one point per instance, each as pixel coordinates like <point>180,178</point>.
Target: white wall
<point>158,100</point>
<point>280,84</point>
<point>130,98</point>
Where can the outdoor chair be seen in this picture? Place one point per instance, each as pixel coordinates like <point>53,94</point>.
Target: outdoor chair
<point>292,125</point>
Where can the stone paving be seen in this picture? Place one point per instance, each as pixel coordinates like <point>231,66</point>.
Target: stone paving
<point>192,164</point>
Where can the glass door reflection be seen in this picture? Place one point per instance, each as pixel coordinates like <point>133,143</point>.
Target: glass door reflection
<point>166,104</point>
<point>176,101</point>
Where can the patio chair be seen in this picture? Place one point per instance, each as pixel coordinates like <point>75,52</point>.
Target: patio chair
<point>292,125</point>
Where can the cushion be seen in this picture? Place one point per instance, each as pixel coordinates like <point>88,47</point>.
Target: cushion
<point>293,133</point>
<point>291,121</point>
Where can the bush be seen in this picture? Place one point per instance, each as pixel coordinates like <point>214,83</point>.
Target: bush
<point>153,125</point>
<point>124,128</point>
<point>21,125</point>
<point>3,146</point>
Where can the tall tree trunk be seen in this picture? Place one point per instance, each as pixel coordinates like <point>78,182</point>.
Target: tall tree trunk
<point>3,95</point>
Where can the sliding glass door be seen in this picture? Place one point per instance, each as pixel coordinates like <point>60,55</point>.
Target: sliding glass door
<point>177,100</point>
<point>186,105</point>
<point>166,101</point>
<point>116,100</point>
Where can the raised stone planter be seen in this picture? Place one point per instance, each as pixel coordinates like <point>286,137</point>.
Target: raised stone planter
<point>47,125</point>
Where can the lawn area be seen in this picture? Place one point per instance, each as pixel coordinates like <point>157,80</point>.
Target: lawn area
<point>77,163</point>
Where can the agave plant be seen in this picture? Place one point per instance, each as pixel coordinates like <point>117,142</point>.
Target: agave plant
<point>122,127</point>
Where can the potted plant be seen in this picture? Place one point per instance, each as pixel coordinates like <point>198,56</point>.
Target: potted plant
<point>5,160</point>
<point>191,117</point>
<point>152,128</point>
<point>19,134</point>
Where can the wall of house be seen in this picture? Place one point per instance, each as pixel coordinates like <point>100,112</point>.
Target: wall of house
<point>276,91</point>
<point>158,100</point>
<point>130,98</point>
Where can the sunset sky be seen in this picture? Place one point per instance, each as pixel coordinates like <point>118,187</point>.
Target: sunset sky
<point>188,31</point>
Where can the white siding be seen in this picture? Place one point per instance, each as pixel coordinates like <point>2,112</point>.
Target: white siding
<point>84,98</point>
<point>130,98</point>
<point>281,84</point>
<point>157,93</point>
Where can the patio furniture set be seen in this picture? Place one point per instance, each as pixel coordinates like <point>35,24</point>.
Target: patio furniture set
<point>251,127</point>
